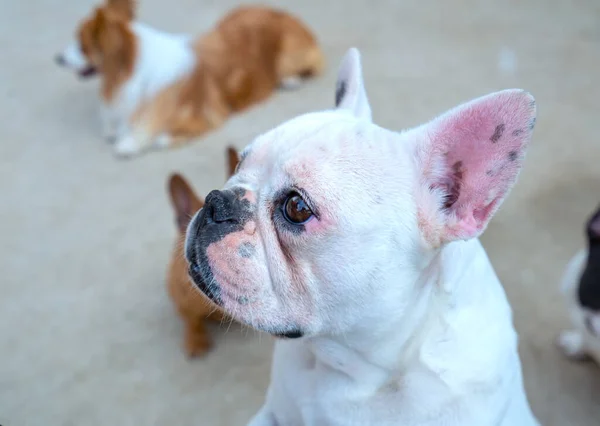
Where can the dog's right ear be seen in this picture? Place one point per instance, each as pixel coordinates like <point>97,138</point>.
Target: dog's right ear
<point>124,8</point>
<point>184,201</point>
<point>470,158</point>
<point>233,159</point>
<point>99,22</point>
<point>350,91</point>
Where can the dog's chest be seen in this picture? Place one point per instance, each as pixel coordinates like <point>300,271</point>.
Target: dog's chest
<point>304,392</point>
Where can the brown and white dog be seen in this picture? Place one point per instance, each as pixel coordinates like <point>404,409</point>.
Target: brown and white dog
<point>160,89</point>
<point>193,307</point>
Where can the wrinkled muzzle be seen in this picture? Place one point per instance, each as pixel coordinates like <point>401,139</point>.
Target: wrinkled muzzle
<point>225,215</point>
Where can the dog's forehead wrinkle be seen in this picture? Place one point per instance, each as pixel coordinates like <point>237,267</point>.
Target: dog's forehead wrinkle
<point>298,148</point>
<point>303,130</point>
<point>342,145</point>
<point>385,187</point>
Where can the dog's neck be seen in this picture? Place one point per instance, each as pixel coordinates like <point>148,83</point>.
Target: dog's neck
<point>161,59</point>
<point>454,280</point>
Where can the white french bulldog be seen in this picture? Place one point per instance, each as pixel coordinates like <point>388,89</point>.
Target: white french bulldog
<point>358,247</point>
<point>581,289</point>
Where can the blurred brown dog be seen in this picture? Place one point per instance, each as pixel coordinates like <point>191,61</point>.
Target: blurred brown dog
<point>192,305</point>
<point>160,89</point>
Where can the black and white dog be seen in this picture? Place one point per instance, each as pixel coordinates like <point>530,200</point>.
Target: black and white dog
<point>581,287</point>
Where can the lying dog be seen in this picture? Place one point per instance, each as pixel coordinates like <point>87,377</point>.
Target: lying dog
<point>193,307</point>
<point>160,89</point>
<point>358,247</point>
<point>581,288</point>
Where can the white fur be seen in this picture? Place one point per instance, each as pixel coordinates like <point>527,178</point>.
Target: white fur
<point>395,331</point>
<point>454,370</point>
<point>291,83</point>
<point>579,342</point>
<point>162,59</point>
<point>355,99</point>
<point>73,58</point>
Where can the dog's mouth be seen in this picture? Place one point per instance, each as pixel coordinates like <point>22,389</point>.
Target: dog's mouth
<point>88,72</point>
<point>210,290</point>
<point>213,292</point>
<point>292,334</point>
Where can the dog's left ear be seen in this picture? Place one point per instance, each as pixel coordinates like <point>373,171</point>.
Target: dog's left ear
<point>184,200</point>
<point>350,91</point>
<point>124,8</point>
<point>233,159</point>
<point>470,158</point>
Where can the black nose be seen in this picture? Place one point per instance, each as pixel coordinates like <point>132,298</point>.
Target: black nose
<point>219,207</point>
<point>59,59</point>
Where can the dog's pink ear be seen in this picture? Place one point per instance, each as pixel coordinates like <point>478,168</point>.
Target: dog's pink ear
<point>471,157</point>
<point>350,91</point>
<point>183,200</point>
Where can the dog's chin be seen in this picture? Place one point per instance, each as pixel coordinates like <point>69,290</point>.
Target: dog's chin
<point>88,72</point>
<point>198,274</point>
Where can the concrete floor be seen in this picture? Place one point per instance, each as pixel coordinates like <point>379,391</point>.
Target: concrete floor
<point>87,333</point>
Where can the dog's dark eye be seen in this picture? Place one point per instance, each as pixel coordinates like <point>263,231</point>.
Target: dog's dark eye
<point>295,210</point>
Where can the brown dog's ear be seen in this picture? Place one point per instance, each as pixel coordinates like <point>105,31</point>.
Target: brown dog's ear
<point>100,21</point>
<point>184,201</point>
<point>233,159</point>
<point>115,47</point>
<point>124,8</point>
<point>105,21</point>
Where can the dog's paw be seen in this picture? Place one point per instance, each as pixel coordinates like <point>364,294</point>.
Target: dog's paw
<point>291,83</point>
<point>112,132</point>
<point>572,344</point>
<point>196,344</point>
<point>127,147</point>
<point>162,141</point>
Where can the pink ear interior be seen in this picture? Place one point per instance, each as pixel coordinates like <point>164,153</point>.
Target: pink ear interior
<point>477,149</point>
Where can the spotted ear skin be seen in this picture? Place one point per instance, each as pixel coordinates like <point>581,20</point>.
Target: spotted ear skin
<point>470,158</point>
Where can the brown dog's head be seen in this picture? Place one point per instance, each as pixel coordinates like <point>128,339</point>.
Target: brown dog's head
<point>185,204</point>
<point>104,43</point>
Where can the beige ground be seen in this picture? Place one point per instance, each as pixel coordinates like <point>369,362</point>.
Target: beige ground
<point>87,334</point>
